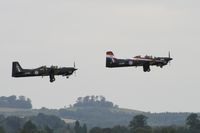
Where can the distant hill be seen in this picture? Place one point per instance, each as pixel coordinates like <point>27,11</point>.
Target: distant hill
<point>20,102</point>
<point>109,117</point>
<point>97,111</point>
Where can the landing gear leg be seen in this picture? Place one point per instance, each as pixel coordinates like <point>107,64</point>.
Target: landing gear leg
<point>146,68</point>
<point>52,78</point>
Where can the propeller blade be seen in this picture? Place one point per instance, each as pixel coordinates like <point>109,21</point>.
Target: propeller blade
<point>75,68</point>
<point>169,58</point>
<point>74,65</point>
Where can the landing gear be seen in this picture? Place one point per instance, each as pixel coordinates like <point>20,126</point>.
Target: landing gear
<point>146,68</point>
<point>52,78</point>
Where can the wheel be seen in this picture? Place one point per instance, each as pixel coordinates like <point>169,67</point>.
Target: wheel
<point>146,68</point>
<point>52,78</point>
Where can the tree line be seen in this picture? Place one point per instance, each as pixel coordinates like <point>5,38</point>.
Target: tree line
<point>46,124</point>
<point>93,101</point>
<point>139,125</point>
<point>15,102</point>
<point>40,123</point>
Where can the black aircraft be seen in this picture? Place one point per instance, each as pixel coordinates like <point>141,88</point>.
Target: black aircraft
<point>18,71</point>
<point>145,62</point>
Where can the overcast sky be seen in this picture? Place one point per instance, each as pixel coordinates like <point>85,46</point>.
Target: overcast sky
<point>59,32</point>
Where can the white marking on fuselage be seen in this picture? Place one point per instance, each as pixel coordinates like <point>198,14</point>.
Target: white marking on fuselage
<point>121,63</point>
<point>36,72</point>
<point>27,73</point>
<point>130,62</point>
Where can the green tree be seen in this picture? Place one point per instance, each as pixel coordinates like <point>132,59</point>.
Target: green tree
<point>84,128</point>
<point>48,129</point>
<point>139,124</point>
<point>120,129</point>
<point>77,127</point>
<point>138,121</point>
<point>29,127</point>
<point>193,122</point>
<point>96,130</point>
<point>2,130</point>
<point>107,130</point>
<point>22,98</point>
<point>168,129</point>
<point>143,130</point>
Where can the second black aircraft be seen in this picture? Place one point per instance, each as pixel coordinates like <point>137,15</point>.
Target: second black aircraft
<point>18,71</point>
<point>136,61</point>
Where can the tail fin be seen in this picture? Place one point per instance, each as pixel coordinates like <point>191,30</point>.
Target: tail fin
<point>109,54</point>
<point>110,58</point>
<point>16,68</point>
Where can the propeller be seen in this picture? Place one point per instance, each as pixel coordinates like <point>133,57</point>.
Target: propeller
<point>74,65</point>
<point>169,56</point>
<point>75,68</point>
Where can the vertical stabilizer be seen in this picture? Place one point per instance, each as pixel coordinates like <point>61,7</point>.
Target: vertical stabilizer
<point>110,58</point>
<point>16,68</point>
<point>109,54</point>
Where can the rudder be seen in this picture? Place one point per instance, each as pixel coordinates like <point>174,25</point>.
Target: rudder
<point>110,58</point>
<point>16,68</point>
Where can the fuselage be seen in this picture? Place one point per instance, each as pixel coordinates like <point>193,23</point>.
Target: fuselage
<point>18,71</point>
<point>42,71</point>
<point>145,62</point>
